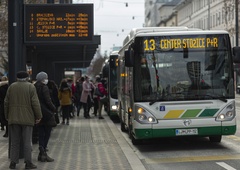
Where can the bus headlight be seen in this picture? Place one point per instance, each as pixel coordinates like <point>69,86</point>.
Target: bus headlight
<point>114,107</point>
<point>227,114</point>
<point>143,116</point>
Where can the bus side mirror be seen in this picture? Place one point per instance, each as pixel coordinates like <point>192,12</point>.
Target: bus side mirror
<point>236,54</point>
<point>128,57</point>
<point>113,61</point>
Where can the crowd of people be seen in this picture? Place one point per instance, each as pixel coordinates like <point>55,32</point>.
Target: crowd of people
<point>26,107</point>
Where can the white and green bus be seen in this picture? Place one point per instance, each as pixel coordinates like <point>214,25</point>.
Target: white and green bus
<point>109,73</point>
<point>177,81</point>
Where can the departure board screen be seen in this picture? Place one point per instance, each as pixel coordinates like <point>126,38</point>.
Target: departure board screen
<point>58,22</point>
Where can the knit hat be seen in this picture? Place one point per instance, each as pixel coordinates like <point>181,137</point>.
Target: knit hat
<point>41,76</point>
<point>22,75</point>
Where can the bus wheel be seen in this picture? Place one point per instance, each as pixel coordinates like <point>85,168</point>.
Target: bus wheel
<point>134,141</point>
<point>215,139</point>
<point>123,128</point>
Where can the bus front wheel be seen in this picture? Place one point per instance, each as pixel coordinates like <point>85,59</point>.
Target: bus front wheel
<point>134,141</point>
<point>215,139</point>
<point>123,128</point>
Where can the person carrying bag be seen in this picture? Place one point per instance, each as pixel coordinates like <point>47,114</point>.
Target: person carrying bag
<point>48,121</point>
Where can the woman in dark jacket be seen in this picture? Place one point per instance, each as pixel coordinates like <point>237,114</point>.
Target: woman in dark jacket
<point>46,103</point>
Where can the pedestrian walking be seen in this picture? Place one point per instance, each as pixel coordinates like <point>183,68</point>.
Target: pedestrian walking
<point>3,91</point>
<point>65,97</point>
<point>48,109</point>
<point>86,96</point>
<point>22,110</point>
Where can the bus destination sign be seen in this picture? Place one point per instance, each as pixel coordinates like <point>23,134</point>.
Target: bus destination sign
<point>177,43</point>
<point>58,22</point>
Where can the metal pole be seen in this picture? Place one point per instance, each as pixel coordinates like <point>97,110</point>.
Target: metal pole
<point>209,14</point>
<point>15,48</point>
<point>236,9</point>
<point>15,43</point>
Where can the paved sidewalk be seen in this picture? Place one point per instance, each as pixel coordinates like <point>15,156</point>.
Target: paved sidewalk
<point>87,144</point>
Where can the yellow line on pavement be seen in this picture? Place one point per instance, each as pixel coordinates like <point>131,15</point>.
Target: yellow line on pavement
<point>233,137</point>
<point>192,159</point>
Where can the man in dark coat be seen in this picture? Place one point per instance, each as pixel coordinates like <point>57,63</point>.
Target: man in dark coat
<point>22,110</point>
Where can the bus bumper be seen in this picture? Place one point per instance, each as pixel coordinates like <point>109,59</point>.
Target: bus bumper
<point>171,128</point>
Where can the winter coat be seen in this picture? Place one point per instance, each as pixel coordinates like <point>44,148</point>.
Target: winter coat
<point>21,104</point>
<point>53,90</point>
<point>45,101</point>
<point>65,96</point>
<point>87,88</point>
<point>3,91</point>
<point>102,89</point>
<point>78,91</point>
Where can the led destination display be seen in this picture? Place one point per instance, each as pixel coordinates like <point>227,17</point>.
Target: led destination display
<point>56,23</point>
<point>175,43</point>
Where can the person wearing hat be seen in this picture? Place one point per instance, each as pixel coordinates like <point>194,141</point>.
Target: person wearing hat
<point>22,110</point>
<point>48,109</point>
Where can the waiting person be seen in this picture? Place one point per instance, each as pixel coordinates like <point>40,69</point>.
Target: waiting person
<point>22,110</point>
<point>72,87</point>
<point>3,91</point>
<point>86,97</point>
<point>65,97</point>
<point>78,93</point>
<point>104,92</point>
<point>48,108</point>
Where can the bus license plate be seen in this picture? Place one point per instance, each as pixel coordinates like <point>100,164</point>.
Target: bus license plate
<point>181,132</point>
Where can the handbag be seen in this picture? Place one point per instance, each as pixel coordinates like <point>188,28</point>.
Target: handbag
<point>52,122</point>
<point>47,113</point>
<point>98,93</point>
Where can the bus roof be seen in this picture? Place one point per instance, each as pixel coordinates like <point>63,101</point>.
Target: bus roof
<point>153,31</point>
<point>114,53</point>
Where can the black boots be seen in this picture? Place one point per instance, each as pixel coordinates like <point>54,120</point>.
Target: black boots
<point>12,165</point>
<point>43,157</point>
<point>30,165</point>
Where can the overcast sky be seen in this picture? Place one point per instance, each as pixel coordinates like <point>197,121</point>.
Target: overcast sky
<point>113,20</point>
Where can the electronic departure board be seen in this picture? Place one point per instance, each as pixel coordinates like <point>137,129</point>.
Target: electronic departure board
<point>58,23</point>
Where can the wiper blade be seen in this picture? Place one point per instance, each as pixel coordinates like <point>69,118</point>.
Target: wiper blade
<point>222,98</point>
<point>152,102</point>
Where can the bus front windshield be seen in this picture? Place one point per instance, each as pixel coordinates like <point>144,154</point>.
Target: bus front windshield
<point>183,68</point>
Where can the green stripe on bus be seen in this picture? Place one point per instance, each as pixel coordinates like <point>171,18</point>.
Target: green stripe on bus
<point>191,113</point>
<point>208,113</point>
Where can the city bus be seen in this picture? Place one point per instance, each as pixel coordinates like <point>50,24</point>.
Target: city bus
<point>176,81</point>
<point>110,74</point>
